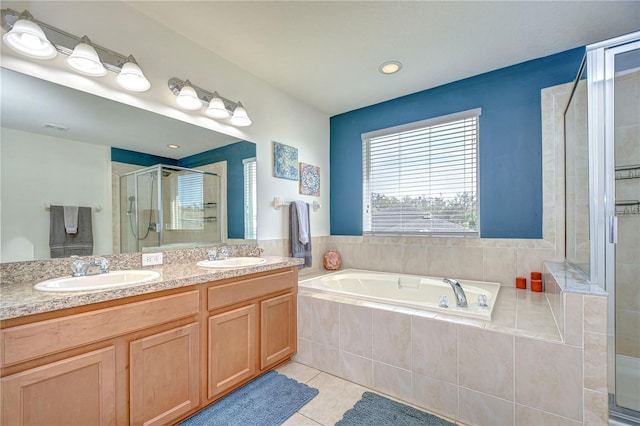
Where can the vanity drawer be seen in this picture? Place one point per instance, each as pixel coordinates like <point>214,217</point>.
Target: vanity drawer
<point>236,292</point>
<point>29,341</point>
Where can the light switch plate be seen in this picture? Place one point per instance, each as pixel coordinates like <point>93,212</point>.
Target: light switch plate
<point>149,259</point>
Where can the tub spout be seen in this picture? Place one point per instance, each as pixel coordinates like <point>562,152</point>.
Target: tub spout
<point>461,298</point>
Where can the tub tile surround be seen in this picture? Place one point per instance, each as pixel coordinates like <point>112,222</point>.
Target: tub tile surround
<point>548,350</point>
<point>501,372</point>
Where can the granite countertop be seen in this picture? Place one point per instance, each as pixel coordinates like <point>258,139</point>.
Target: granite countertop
<point>20,299</point>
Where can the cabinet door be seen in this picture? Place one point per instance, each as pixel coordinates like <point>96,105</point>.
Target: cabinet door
<point>164,376</point>
<point>278,329</point>
<point>76,391</point>
<point>232,348</point>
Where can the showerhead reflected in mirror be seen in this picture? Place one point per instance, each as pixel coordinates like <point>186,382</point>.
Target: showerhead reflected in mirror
<point>61,146</point>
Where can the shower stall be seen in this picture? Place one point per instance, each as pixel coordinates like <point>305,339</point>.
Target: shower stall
<point>602,171</point>
<point>164,206</point>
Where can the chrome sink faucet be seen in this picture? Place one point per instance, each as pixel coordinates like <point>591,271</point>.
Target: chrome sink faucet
<point>218,254</point>
<point>81,269</point>
<point>461,298</point>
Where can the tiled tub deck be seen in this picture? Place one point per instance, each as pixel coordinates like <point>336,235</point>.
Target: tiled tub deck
<point>520,368</point>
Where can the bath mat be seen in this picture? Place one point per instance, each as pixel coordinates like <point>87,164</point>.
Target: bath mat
<point>268,400</point>
<point>376,410</point>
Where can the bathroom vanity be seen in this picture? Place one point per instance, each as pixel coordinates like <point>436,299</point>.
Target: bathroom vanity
<point>152,358</point>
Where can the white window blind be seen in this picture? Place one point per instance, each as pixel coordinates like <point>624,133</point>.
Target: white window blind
<point>422,178</point>
<point>250,199</point>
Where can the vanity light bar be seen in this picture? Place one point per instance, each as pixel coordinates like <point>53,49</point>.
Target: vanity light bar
<point>65,42</point>
<point>235,110</point>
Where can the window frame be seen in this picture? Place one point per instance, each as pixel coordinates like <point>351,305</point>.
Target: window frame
<point>408,127</point>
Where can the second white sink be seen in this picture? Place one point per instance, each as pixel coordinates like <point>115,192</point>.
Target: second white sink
<point>232,262</point>
<point>112,279</point>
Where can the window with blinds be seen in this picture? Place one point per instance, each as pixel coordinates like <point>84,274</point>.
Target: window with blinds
<point>422,178</point>
<point>250,199</point>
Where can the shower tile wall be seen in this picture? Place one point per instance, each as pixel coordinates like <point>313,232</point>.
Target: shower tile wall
<point>627,145</point>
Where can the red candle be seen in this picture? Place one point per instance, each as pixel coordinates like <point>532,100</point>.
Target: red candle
<point>521,282</point>
<point>536,275</point>
<point>536,285</point>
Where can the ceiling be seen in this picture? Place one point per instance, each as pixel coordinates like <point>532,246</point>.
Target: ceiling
<point>327,54</point>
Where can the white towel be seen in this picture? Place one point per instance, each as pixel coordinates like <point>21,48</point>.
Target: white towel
<point>303,223</point>
<point>71,219</point>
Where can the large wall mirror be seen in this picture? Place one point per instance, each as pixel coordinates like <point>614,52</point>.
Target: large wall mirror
<point>64,147</point>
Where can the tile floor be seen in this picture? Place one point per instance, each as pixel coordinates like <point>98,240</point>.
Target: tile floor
<point>336,396</point>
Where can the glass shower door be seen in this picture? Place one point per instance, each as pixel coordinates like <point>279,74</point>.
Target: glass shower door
<point>622,194</point>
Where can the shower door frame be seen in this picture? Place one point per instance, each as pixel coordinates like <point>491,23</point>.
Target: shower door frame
<point>601,82</point>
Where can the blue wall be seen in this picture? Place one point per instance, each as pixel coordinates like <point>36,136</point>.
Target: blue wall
<point>233,154</point>
<point>510,143</point>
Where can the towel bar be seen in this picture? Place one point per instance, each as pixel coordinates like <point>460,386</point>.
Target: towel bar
<point>278,203</point>
<point>97,208</point>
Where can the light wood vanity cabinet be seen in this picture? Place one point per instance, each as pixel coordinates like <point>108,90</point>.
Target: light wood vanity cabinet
<point>147,360</point>
<point>252,327</point>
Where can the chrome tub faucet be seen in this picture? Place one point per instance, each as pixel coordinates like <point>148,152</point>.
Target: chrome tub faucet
<point>461,298</point>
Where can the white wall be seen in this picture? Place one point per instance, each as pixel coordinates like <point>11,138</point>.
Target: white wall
<point>162,54</point>
<point>34,173</point>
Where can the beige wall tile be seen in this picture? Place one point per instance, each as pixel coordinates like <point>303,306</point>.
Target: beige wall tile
<point>485,361</point>
<point>595,362</point>
<point>325,358</point>
<point>356,333</point>
<point>548,376</point>
<point>596,408</point>
<point>392,380</point>
<point>440,261</point>
<point>305,352</point>
<point>480,409</point>
<point>468,262</point>
<point>435,395</point>
<point>434,349</point>
<point>527,416</point>
<point>324,321</point>
<point>356,369</point>
<point>500,265</point>
<point>573,310</point>
<point>595,314</point>
<point>305,329</point>
<point>392,338</point>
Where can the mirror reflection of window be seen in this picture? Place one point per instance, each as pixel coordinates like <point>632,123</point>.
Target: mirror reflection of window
<point>250,199</point>
<point>188,207</point>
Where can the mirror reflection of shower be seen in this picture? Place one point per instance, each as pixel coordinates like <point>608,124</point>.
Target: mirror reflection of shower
<point>168,206</point>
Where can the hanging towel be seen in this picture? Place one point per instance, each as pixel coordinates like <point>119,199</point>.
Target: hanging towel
<point>297,248</point>
<point>62,244</point>
<point>302,210</point>
<point>71,219</point>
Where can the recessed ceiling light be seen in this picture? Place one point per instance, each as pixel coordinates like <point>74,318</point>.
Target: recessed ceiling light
<point>173,146</point>
<point>390,67</point>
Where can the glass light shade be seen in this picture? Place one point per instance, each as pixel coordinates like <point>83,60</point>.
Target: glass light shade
<point>240,117</point>
<point>132,78</point>
<point>85,60</point>
<point>188,98</point>
<point>27,38</point>
<point>216,108</point>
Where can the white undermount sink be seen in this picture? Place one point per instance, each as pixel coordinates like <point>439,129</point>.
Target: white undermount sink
<point>113,279</point>
<point>232,262</point>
